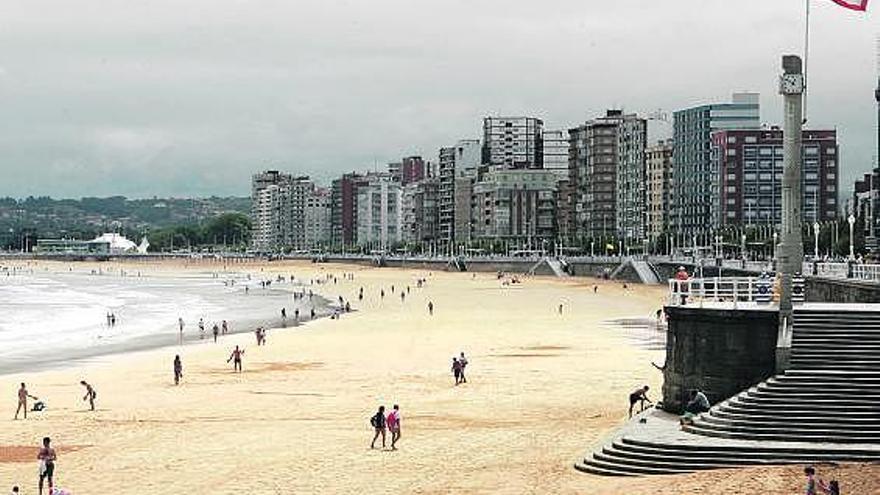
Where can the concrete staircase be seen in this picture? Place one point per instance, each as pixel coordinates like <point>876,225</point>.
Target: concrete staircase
<point>826,407</point>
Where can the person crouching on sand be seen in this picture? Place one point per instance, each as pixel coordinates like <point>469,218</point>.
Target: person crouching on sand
<point>236,358</point>
<point>90,394</point>
<point>377,421</point>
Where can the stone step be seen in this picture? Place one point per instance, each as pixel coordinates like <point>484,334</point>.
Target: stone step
<point>839,365</point>
<point>774,424</point>
<point>626,468</point>
<point>817,396</point>
<point>774,406</point>
<point>685,463</point>
<point>828,376</point>
<point>783,431</point>
<point>746,449</point>
<point>672,453</point>
<point>600,471</point>
<point>725,410</point>
<point>784,435</point>
<point>782,400</point>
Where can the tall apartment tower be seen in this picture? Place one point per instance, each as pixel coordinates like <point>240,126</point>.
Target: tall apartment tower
<point>696,184</point>
<point>513,142</point>
<point>607,176</point>
<point>658,164</point>
<point>278,211</point>
<point>465,154</point>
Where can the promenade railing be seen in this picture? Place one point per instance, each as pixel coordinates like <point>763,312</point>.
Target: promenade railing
<point>733,290</point>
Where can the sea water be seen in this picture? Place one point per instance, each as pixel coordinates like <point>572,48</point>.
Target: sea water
<point>49,318</point>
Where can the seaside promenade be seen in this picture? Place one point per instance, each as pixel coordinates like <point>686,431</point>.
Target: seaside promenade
<point>541,386</point>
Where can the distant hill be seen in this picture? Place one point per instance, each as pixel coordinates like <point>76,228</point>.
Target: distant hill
<point>44,217</point>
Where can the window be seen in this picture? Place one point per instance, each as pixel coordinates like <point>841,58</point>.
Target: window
<point>731,189</point>
<point>831,175</point>
<point>731,151</point>
<point>731,176</point>
<point>811,151</point>
<point>830,188</point>
<point>731,139</point>
<point>830,151</point>
<point>751,139</point>
<point>766,151</point>
<point>831,201</point>
<point>731,214</point>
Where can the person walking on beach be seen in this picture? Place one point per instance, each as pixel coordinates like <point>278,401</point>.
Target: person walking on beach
<point>393,422</point>
<point>456,370</point>
<point>463,362</point>
<point>216,332</point>
<point>377,421</point>
<point>180,325</point>
<point>47,458</point>
<point>225,327</point>
<point>22,400</point>
<point>178,369</point>
<point>201,328</point>
<point>431,308</point>
<point>90,394</point>
<point>639,395</point>
<point>236,358</point>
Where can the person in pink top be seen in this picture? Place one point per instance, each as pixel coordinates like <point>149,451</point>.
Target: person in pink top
<point>393,423</point>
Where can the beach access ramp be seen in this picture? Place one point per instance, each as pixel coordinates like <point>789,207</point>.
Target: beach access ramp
<point>642,270</point>
<point>549,266</point>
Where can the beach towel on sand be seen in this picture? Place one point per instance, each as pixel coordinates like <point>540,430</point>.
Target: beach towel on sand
<point>60,491</point>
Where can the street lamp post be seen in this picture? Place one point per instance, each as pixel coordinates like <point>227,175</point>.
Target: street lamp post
<point>816,239</point>
<point>852,223</point>
<point>742,246</point>
<point>775,240</point>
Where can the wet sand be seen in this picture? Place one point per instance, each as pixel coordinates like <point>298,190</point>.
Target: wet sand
<point>542,388</point>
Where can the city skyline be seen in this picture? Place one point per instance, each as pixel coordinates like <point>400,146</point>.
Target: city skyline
<point>140,103</point>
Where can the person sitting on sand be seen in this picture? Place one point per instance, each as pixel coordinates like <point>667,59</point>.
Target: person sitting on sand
<point>22,400</point>
<point>810,473</point>
<point>47,458</point>
<point>698,402</point>
<point>178,369</point>
<point>640,395</point>
<point>832,488</point>
<point>377,421</point>
<point>236,358</point>
<point>393,422</point>
<point>90,394</point>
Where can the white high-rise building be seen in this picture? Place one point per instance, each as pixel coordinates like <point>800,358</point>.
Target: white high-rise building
<point>465,155</point>
<point>513,142</point>
<point>555,152</point>
<point>380,212</point>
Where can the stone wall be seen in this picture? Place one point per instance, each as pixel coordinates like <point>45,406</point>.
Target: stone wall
<point>841,291</point>
<point>721,352</point>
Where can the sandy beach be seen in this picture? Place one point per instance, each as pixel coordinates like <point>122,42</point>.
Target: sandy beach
<point>542,388</point>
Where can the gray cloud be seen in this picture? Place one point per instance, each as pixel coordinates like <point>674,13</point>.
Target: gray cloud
<point>189,98</point>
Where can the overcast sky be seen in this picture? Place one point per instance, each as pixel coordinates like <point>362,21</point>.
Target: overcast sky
<point>189,98</point>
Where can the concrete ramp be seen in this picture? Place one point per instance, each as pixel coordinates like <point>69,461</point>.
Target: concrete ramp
<point>549,266</point>
<point>636,270</point>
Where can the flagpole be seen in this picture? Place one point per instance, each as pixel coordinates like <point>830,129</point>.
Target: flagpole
<point>806,54</point>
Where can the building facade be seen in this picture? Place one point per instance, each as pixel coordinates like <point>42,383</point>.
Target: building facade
<point>421,211</point>
<point>466,154</point>
<point>278,211</point>
<point>514,205</point>
<point>555,155</point>
<point>750,165</point>
<point>317,219</point>
<point>513,142</point>
<point>379,218</point>
<point>607,177</point>
<point>696,184</point>
<point>658,163</point>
